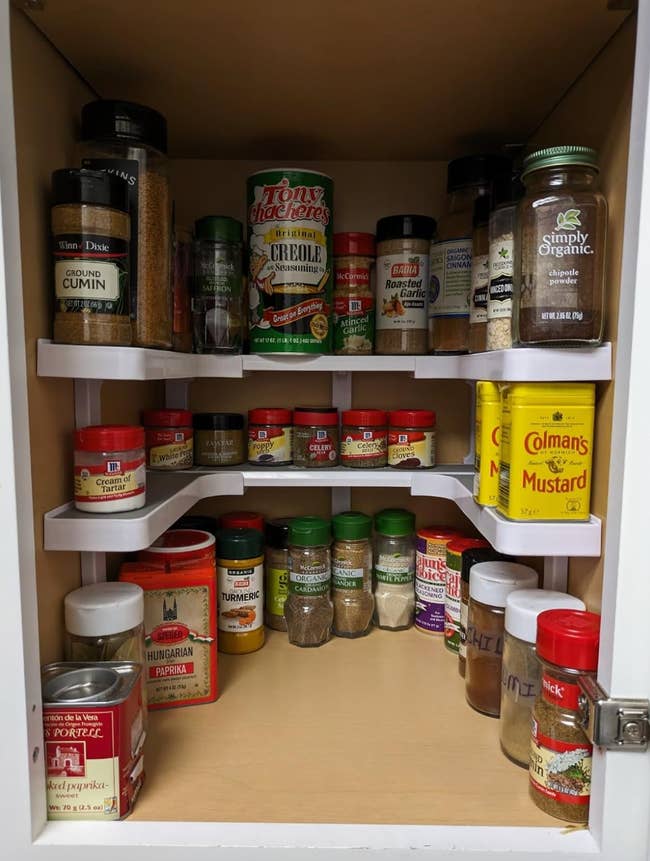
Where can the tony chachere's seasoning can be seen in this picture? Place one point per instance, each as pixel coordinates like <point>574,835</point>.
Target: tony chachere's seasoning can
<point>486,443</point>
<point>412,439</point>
<point>455,549</point>
<point>431,577</point>
<point>93,728</point>
<point>290,261</point>
<point>170,439</point>
<point>270,436</point>
<point>109,468</point>
<point>547,433</point>
<point>240,579</point>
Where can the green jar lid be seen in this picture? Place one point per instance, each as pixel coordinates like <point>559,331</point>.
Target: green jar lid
<point>351,526</point>
<point>218,228</point>
<point>239,543</point>
<point>395,521</point>
<point>309,532</point>
<point>556,156</point>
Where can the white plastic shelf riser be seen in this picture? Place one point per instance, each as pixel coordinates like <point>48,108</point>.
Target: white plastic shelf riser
<point>134,363</point>
<point>170,495</point>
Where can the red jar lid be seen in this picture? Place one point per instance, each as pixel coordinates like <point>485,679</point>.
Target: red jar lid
<point>354,243</point>
<point>457,545</point>
<point>413,418</point>
<point>441,532</point>
<point>365,418</point>
<point>269,416</point>
<point>242,520</point>
<point>167,418</point>
<point>109,438</point>
<point>306,417</point>
<point>569,638</point>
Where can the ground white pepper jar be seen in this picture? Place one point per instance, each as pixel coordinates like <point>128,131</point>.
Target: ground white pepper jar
<point>394,569</point>
<point>521,674</point>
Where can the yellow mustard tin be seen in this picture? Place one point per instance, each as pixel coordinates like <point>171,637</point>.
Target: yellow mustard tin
<point>486,443</point>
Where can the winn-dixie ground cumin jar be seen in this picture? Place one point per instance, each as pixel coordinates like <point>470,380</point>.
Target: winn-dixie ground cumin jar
<point>412,439</point>
<point>109,468</point>
<point>290,266</point>
<point>169,439</point>
<point>270,436</point>
<point>364,439</point>
<point>219,439</point>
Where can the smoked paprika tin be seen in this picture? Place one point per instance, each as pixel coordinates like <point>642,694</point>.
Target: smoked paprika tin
<point>93,728</point>
<point>290,267</point>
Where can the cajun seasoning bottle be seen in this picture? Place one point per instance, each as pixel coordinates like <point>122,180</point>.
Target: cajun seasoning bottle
<point>354,295</point>
<point>560,754</point>
<point>240,591</point>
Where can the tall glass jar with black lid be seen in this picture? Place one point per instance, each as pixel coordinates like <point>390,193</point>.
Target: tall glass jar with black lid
<point>219,439</point>
<point>130,140</point>
<point>276,571</point>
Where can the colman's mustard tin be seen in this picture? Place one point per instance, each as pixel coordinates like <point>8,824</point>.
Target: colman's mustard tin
<point>486,443</point>
<point>547,432</point>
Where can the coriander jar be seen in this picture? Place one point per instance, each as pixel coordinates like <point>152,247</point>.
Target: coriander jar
<point>308,609</point>
<point>394,569</point>
<point>270,436</point>
<point>490,583</point>
<point>276,572</point>
<point>240,590</point>
<point>91,232</point>
<point>521,670</point>
<point>412,439</point>
<point>109,469</point>
<point>219,439</point>
<point>354,296</point>
<point>560,753</point>
<point>352,574</point>
<point>315,437</point>
<point>169,439</point>
<point>364,439</point>
<point>560,274</point>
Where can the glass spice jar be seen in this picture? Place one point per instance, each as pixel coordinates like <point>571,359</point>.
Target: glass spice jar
<point>470,557</point>
<point>521,671</point>
<point>91,230</point>
<point>105,622</point>
<point>364,439</point>
<point>490,583</point>
<point>219,439</point>
<point>394,569</point>
<point>354,296</point>
<point>169,439</point>
<point>559,286</point>
<point>270,436</point>
<point>453,607</point>
<point>560,753</point>
<point>315,437</point>
<point>181,298</point>
<point>412,439</point>
<point>217,285</point>
<point>276,572</point>
<point>240,590</point>
<point>109,469</point>
<point>352,574</point>
<point>480,276</point>
<point>308,609</point>
<point>505,193</point>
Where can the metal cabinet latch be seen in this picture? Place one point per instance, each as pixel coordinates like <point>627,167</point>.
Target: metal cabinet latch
<point>615,724</point>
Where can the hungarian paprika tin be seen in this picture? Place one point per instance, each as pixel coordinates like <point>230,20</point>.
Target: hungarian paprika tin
<point>93,727</point>
<point>290,261</point>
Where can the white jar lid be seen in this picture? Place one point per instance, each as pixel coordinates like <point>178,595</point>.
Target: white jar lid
<point>492,582</point>
<point>104,608</point>
<point>524,606</point>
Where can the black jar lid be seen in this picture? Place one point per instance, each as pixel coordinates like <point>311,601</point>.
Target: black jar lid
<point>218,421</point>
<point>473,555</point>
<point>78,185</point>
<point>481,210</point>
<point>276,532</point>
<point>113,119</point>
<point>405,227</point>
<point>507,189</point>
<point>473,170</point>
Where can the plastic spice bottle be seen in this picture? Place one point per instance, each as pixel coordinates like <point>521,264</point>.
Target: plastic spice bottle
<point>560,288</point>
<point>480,276</point>
<point>91,231</point>
<point>455,549</point>
<point>470,557</point>
<point>109,468</point>
<point>219,439</point>
<point>240,590</point>
<point>131,141</point>
<point>403,243</point>
<point>354,295</point>
<point>505,193</point>
<point>169,439</point>
<point>431,577</point>
<point>560,754</point>
<point>352,574</point>
<point>270,436</point>
<point>486,443</point>
<point>412,439</point>
<point>364,439</point>
<point>315,437</point>
<point>490,583</point>
<point>308,609</point>
<point>394,569</point>
<point>276,572</point>
<point>217,285</point>
<point>522,673</point>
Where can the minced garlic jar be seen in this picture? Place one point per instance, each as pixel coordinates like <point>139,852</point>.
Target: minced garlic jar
<point>354,294</point>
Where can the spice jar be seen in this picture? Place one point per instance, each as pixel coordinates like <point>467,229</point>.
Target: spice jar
<point>169,439</point>
<point>364,439</point>
<point>276,572</point>
<point>308,609</point>
<point>217,285</point>
<point>486,443</point>
<point>177,547</point>
<point>455,549</point>
<point>394,569</point>
<point>430,577</point>
<point>130,141</point>
<point>270,436</point>
<point>505,193</point>
<point>412,439</point>
<point>352,574</point>
<point>479,276</point>
<point>181,298</point>
<point>521,671</point>
<point>560,754</point>
<point>559,291</point>
<point>105,622</point>
<point>490,583</point>
<point>242,520</point>
<point>240,590</point>
<point>91,230</point>
<point>315,437</point>
<point>109,469</point>
<point>468,558</point>
<point>451,253</point>
<point>403,243</point>
<point>219,439</point>
<point>354,297</point>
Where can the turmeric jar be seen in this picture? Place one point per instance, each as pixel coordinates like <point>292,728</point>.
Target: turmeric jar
<point>240,595</point>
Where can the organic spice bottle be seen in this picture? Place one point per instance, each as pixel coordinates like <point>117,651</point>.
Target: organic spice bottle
<point>394,569</point>
<point>308,609</point>
<point>560,754</point>
<point>352,574</point>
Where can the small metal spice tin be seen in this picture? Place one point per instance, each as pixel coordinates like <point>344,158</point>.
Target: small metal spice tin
<point>93,727</point>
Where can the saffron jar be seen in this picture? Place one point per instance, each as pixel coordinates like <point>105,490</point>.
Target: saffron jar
<point>169,438</point>
<point>109,468</point>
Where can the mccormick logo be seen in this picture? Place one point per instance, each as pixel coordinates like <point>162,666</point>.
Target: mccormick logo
<point>170,633</point>
<point>113,467</point>
<point>283,202</point>
<point>535,442</point>
<point>405,270</point>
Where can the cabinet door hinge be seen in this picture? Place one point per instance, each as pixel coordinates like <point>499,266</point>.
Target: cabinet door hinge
<point>616,724</point>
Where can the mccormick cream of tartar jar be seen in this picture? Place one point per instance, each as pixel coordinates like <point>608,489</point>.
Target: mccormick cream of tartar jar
<point>109,468</point>
<point>547,433</point>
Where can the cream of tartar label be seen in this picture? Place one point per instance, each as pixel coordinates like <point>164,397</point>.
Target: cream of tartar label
<point>240,598</point>
<point>110,481</point>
